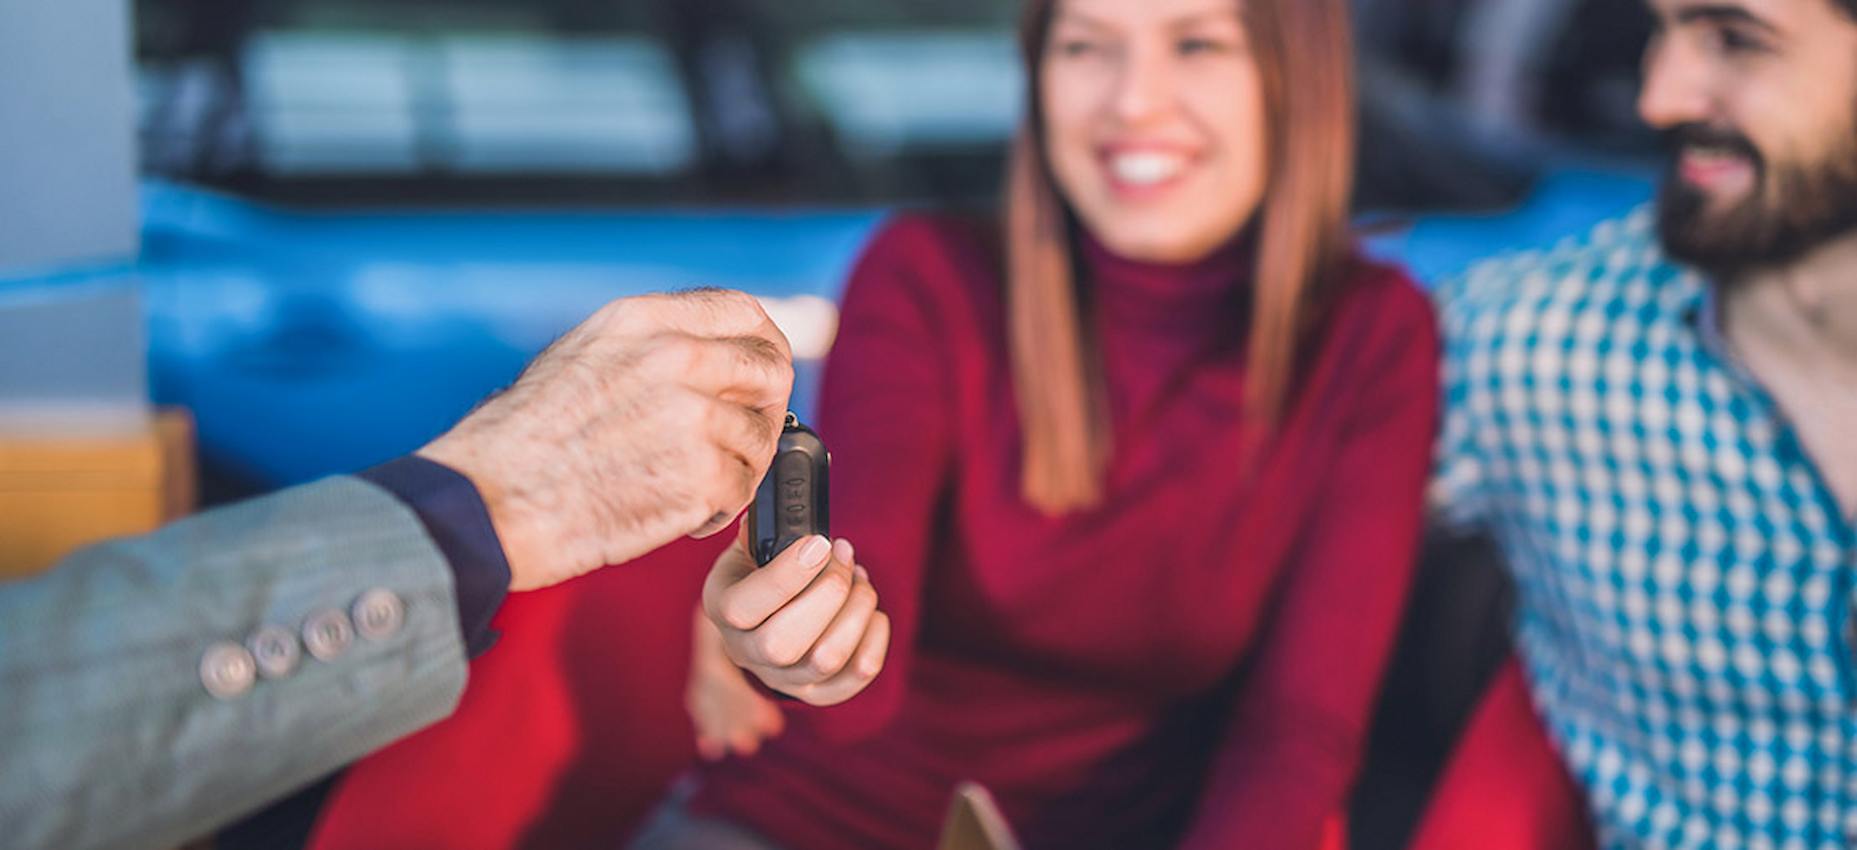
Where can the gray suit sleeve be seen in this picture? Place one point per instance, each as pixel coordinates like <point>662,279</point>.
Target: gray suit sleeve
<point>109,736</point>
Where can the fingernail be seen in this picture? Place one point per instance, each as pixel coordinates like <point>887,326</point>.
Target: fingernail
<point>863,574</point>
<point>843,552</point>
<point>814,550</point>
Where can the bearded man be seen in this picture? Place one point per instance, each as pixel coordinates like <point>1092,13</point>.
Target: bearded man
<point>1657,423</point>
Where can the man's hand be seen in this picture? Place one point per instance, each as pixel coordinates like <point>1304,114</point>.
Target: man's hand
<point>652,420</point>
<point>806,624</point>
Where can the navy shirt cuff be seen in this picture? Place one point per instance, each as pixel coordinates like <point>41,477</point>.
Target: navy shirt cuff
<point>454,515</point>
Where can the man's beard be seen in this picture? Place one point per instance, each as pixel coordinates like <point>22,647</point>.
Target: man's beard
<point>1791,209</point>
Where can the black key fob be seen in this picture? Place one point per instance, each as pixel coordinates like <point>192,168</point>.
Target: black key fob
<point>792,502</point>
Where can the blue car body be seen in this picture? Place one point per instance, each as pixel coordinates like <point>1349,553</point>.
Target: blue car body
<point>312,343</point>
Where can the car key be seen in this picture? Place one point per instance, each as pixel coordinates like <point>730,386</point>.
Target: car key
<point>792,502</point>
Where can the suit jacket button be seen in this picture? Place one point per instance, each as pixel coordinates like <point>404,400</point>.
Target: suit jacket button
<point>328,634</point>
<point>276,650</point>
<point>379,614</point>
<point>227,670</point>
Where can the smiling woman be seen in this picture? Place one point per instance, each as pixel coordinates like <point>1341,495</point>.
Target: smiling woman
<point>1167,126</point>
<point>1153,106</point>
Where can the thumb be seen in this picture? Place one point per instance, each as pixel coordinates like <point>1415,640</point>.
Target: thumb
<point>741,597</point>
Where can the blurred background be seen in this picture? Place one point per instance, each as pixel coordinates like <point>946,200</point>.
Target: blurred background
<point>356,218</point>
<point>373,212</point>
<point>757,102</point>
<point>249,243</point>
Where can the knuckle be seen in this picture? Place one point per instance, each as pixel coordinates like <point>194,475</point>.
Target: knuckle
<point>735,299</point>
<point>623,314</point>
<point>787,654</point>
<point>868,667</point>
<point>738,653</point>
<point>687,411</point>
<point>868,664</point>
<point>827,662</point>
<point>720,466</point>
<point>617,309</point>
<point>718,471</point>
<point>737,490</point>
<point>775,650</point>
<point>716,302</point>
<point>836,583</point>
<point>672,354</point>
<point>735,615</point>
<point>777,382</point>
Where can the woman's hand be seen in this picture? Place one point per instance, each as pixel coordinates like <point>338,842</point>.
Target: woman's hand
<point>806,625</point>
<point>730,716</point>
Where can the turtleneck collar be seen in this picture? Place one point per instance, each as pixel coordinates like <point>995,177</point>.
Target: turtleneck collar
<point>1192,299</point>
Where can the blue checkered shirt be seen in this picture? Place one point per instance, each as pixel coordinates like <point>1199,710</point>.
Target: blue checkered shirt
<point>1684,573</point>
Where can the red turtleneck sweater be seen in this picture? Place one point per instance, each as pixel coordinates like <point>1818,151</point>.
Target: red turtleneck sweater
<point>1191,664</point>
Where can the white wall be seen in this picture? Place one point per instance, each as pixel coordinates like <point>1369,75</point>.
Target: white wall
<point>67,135</point>
<point>73,351</point>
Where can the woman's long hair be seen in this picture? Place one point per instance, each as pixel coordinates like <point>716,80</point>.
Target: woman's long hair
<point>1302,244</point>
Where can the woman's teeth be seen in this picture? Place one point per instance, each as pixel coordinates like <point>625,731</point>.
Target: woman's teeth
<point>1146,169</point>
